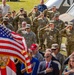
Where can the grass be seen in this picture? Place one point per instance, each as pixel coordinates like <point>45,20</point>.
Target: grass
<point>26,4</point>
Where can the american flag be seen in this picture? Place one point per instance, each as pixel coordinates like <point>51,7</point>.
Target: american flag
<point>12,44</point>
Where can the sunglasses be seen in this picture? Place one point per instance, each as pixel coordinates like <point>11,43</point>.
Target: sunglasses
<point>72,61</point>
<point>47,56</point>
<point>53,49</point>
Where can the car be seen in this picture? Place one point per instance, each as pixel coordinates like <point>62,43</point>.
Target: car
<point>68,16</point>
<point>61,5</point>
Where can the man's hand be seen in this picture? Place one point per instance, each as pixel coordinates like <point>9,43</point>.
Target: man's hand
<point>49,70</point>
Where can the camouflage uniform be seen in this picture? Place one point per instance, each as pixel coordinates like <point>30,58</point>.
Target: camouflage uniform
<point>42,23</point>
<point>29,36</point>
<point>22,17</point>
<point>7,24</point>
<point>69,34</point>
<point>59,24</point>
<point>51,36</point>
<point>34,14</point>
<point>50,14</point>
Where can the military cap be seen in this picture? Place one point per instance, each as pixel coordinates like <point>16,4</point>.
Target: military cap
<point>35,7</point>
<point>9,12</point>
<point>5,19</point>
<point>24,12</point>
<point>51,22</point>
<point>27,26</point>
<point>21,8</point>
<point>56,15</point>
<point>54,46</point>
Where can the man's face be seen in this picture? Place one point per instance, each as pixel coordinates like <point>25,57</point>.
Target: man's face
<point>42,2</point>
<point>3,2</point>
<point>23,24</point>
<point>52,25</point>
<point>48,56</point>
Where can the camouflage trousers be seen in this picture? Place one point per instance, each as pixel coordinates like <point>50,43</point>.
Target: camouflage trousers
<point>70,48</point>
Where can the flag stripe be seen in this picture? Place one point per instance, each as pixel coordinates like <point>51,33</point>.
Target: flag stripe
<point>3,40</point>
<point>12,65</point>
<point>3,71</point>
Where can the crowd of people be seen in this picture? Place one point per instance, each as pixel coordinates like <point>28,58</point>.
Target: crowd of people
<point>44,33</point>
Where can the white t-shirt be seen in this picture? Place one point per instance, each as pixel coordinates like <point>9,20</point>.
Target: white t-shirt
<point>5,9</point>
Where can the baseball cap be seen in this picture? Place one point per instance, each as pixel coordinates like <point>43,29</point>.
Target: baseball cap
<point>27,26</point>
<point>33,47</point>
<point>54,46</point>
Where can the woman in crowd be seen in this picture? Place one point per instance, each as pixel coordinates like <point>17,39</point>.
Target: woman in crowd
<point>69,70</point>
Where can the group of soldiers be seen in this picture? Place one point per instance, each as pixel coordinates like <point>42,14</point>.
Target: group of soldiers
<point>46,26</point>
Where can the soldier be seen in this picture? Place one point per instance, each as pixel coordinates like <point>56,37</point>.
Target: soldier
<point>51,12</point>
<point>22,17</point>
<point>22,29</point>
<point>9,17</point>
<point>51,35</point>
<point>29,35</point>
<point>56,54</point>
<point>42,21</point>
<point>68,32</point>
<point>7,24</point>
<point>58,23</point>
<point>34,13</point>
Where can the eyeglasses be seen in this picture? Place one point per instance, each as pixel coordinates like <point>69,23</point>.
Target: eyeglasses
<point>47,56</point>
<point>27,28</point>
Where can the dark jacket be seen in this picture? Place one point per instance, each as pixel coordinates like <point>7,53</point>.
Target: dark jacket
<point>42,68</point>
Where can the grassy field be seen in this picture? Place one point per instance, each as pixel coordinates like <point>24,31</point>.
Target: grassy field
<point>26,4</point>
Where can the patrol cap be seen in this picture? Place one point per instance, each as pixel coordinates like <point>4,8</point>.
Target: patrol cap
<point>9,12</point>
<point>51,22</point>
<point>54,46</point>
<point>56,15</point>
<point>35,7</point>
<point>33,47</point>
<point>27,26</point>
<point>5,19</point>
<point>21,9</point>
